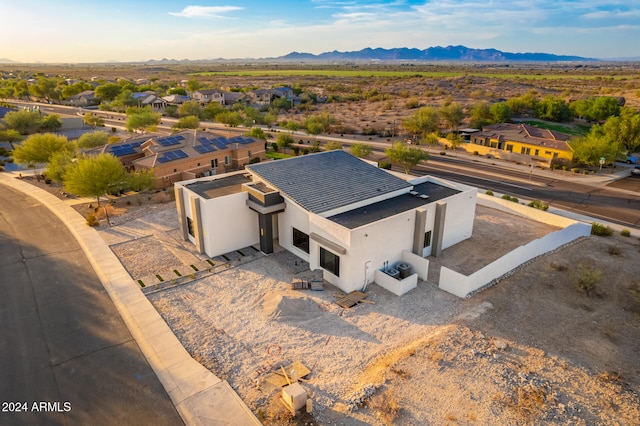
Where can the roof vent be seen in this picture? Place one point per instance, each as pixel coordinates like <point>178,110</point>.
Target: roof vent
<point>413,192</point>
<point>423,196</point>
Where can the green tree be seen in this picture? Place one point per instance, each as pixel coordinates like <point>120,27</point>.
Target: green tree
<point>38,149</point>
<point>589,149</point>
<point>313,127</point>
<point>501,112</point>
<point>46,88</point>
<point>360,150</point>
<point>291,125</point>
<point>11,136</point>
<point>95,176</point>
<point>187,122</point>
<point>604,107</point>
<point>422,122</point>
<point>257,132</point>
<point>140,180</point>
<point>624,129</point>
<point>455,140</point>
<point>191,108</point>
<point>193,85</point>
<point>523,105</point>
<point>124,99</point>
<point>177,91</point>
<point>211,110</point>
<point>230,118</point>
<point>406,156</point>
<point>143,120</point>
<point>430,139</point>
<point>554,108</point>
<point>93,120</point>
<point>23,121</point>
<point>107,92</point>
<point>451,115</point>
<point>51,123</point>
<point>93,140</point>
<point>284,141</point>
<point>480,115</point>
<point>58,164</point>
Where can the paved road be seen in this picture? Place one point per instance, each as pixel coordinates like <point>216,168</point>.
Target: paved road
<point>597,201</point>
<point>61,338</point>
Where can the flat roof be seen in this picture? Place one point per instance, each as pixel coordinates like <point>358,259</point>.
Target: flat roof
<point>393,206</point>
<point>219,187</point>
<point>328,180</point>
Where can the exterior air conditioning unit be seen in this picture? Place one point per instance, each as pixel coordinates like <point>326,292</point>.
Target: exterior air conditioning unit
<point>393,273</point>
<point>404,270</point>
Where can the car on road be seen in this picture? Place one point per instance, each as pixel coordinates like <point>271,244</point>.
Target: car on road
<point>629,159</point>
<point>635,171</point>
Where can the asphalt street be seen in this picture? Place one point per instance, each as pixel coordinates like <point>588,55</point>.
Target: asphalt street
<point>66,356</point>
<point>595,200</point>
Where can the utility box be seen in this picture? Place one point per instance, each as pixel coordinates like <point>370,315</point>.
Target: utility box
<point>294,397</point>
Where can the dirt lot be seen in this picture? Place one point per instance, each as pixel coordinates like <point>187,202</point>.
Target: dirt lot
<point>532,349</point>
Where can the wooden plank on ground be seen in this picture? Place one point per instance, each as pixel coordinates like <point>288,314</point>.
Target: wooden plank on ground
<point>351,299</point>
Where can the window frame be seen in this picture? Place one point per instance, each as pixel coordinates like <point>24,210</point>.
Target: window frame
<point>329,261</point>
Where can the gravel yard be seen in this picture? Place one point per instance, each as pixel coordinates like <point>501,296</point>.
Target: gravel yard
<point>424,358</point>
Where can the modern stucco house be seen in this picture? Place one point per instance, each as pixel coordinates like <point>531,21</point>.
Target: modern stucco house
<point>339,213</point>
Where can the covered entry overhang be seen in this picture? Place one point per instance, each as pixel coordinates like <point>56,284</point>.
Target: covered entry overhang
<point>267,202</point>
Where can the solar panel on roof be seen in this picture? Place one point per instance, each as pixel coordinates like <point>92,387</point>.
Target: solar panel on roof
<point>162,160</point>
<point>168,141</point>
<point>181,154</point>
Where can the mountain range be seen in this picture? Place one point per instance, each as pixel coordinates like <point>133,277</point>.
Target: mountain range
<point>431,54</point>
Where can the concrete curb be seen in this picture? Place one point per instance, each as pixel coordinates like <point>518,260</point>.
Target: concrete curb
<point>200,397</point>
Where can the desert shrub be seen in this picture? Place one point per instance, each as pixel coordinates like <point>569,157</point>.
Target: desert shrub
<point>92,220</point>
<point>601,230</point>
<point>625,233</point>
<point>537,204</point>
<point>476,153</point>
<point>386,406</point>
<point>614,250</point>
<point>489,192</point>
<point>560,267</point>
<point>384,165</point>
<point>509,198</point>
<point>585,278</point>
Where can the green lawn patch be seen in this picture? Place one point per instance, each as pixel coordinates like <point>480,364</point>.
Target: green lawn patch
<point>572,129</point>
<point>277,155</point>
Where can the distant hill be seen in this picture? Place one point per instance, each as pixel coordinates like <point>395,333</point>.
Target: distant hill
<point>438,53</point>
<point>6,61</point>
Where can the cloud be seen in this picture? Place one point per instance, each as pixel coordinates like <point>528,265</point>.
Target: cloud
<point>205,11</point>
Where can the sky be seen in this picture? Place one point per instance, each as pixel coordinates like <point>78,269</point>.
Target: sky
<point>99,31</point>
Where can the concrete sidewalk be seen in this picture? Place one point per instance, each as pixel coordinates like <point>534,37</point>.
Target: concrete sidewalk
<point>200,397</point>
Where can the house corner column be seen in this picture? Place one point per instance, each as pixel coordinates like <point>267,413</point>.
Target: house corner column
<point>418,232</point>
<point>197,224</point>
<point>438,228</point>
<point>182,216</point>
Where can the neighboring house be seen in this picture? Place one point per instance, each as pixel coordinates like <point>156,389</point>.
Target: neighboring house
<point>83,98</point>
<point>176,99</point>
<point>204,96</point>
<point>260,97</point>
<point>185,155</point>
<point>339,213</point>
<point>150,99</point>
<point>231,98</point>
<point>521,142</point>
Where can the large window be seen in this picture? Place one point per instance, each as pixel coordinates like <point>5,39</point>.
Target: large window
<point>301,240</point>
<point>330,262</point>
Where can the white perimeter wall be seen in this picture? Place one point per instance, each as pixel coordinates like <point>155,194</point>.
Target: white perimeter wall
<point>228,224</point>
<point>462,285</point>
<point>458,223</point>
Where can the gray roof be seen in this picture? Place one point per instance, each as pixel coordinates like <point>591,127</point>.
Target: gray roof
<point>328,180</point>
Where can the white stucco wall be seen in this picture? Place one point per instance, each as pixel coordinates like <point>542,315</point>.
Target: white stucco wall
<point>228,224</point>
<point>293,216</point>
<point>462,285</point>
<point>458,224</point>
